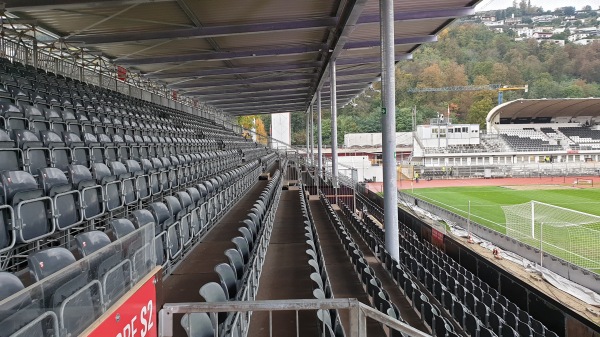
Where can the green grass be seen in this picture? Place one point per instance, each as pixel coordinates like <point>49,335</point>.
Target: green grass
<point>486,202</point>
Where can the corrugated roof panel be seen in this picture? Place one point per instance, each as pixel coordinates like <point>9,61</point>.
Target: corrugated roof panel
<point>272,39</point>
<point>220,12</point>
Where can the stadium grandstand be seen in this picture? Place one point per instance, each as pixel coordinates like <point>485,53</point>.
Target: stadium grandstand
<point>522,138</point>
<point>132,206</point>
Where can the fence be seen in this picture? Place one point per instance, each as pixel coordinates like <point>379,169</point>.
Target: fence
<point>357,312</point>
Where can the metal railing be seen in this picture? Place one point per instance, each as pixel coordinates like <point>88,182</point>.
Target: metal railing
<point>358,313</point>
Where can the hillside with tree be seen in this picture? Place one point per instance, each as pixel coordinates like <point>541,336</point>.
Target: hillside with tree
<point>469,54</point>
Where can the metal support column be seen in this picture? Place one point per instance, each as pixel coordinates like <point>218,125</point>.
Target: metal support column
<point>307,142</point>
<point>334,158</point>
<point>312,136</point>
<point>388,90</point>
<point>319,135</point>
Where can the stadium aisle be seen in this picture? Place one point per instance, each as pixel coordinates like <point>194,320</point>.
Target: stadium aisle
<point>345,283</point>
<point>396,295</point>
<point>286,272</point>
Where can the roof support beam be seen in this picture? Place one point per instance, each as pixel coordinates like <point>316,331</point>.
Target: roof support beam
<point>237,71</point>
<point>339,38</point>
<point>206,32</point>
<point>44,5</point>
<point>259,104</point>
<point>398,41</point>
<point>237,82</point>
<point>448,13</point>
<point>217,56</point>
<point>367,60</point>
<point>265,88</point>
<point>265,95</point>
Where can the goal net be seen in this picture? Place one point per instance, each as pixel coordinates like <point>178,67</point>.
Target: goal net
<point>568,234</point>
<point>584,182</point>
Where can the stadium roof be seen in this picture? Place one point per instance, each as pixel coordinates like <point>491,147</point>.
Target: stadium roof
<point>533,108</point>
<point>245,57</point>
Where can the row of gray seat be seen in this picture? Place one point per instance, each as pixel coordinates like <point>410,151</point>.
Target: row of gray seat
<point>330,319</point>
<point>68,294</point>
<point>378,296</point>
<point>239,277</point>
<point>59,201</point>
<point>177,222</point>
<point>475,306</point>
<point>29,86</point>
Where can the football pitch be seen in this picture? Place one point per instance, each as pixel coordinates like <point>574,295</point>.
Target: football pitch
<point>485,209</point>
<point>486,201</point>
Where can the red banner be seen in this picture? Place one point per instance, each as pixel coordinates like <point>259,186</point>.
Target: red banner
<point>136,316</point>
<point>437,238</point>
<point>121,74</point>
<point>174,95</point>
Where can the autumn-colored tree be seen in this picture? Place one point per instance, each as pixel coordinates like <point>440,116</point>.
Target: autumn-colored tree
<point>253,122</point>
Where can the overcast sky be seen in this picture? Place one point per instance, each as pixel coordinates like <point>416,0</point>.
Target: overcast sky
<point>546,4</point>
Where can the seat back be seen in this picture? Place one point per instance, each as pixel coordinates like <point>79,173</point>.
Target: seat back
<point>121,227</point>
<point>49,261</point>
<point>197,325</point>
<point>90,242</point>
<point>213,292</point>
<point>228,279</point>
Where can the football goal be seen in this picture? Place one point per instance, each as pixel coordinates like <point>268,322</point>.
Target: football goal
<point>562,232</point>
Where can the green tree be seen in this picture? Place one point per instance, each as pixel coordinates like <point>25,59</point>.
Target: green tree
<point>480,109</point>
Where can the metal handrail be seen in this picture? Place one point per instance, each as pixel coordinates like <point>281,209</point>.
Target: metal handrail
<point>359,313</point>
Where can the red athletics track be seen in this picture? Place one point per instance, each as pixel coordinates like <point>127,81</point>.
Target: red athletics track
<point>568,181</point>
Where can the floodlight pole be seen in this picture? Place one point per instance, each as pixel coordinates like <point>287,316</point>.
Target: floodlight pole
<point>334,155</point>
<point>388,93</point>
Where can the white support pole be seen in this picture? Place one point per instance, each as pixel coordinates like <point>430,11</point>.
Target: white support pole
<point>319,134</point>
<point>469,219</point>
<point>307,142</point>
<point>388,91</point>
<point>334,155</point>
<point>312,136</point>
<point>533,219</point>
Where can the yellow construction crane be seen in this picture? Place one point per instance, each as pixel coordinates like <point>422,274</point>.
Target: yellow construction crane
<point>497,87</point>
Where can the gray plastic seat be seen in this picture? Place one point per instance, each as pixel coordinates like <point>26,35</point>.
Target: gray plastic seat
<point>213,292</point>
<point>128,182</point>
<point>197,324</point>
<point>228,279</point>
<point>66,200</point>
<point>111,184</point>
<point>60,154</point>
<point>143,186</point>
<point>31,208</point>
<point>121,227</point>
<point>10,156</point>
<point>46,262</point>
<point>242,246</point>
<point>35,155</point>
<point>174,230</point>
<point>91,193</point>
<point>236,261</point>
<point>141,217</point>
<point>21,310</point>
<point>90,242</point>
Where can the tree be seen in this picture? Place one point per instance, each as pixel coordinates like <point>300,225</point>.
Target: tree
<point>568,11</point>
<point>480,109</point>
